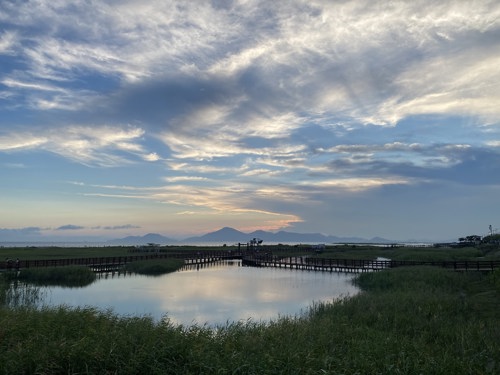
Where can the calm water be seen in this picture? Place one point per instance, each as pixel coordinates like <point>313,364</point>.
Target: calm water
<point>212,295</point>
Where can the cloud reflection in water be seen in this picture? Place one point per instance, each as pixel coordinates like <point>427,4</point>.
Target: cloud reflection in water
<point>213,295</point>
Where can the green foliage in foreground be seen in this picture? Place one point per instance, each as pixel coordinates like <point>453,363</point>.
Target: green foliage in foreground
<point>155,266</point>
<point>407,321</point>
<point>71,276</point>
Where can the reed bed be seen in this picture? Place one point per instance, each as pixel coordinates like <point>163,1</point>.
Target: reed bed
<point>417,320</point>
<point>71,276</point>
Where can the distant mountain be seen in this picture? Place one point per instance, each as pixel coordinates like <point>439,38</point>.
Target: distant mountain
<point>231,236</point>
<point>143,240</point>
<point>227,234</point>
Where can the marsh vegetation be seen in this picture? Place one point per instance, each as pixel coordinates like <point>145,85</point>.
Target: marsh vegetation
<point>71,276</point>
<point>406,320</point>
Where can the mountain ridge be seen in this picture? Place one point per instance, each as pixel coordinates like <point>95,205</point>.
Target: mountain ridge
<point>228,234</point>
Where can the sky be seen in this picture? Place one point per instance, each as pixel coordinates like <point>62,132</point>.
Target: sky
<point>350,118</point>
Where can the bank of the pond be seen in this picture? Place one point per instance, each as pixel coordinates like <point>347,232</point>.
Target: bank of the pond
<point>411,320</point>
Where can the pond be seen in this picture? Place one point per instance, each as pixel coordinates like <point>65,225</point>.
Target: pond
<point>213,295</point>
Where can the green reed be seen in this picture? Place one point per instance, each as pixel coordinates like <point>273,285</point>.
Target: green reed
<point>71,276</point>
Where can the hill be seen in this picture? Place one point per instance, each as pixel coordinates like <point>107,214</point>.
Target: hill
<point>142,240</point>
<point>232,235</point>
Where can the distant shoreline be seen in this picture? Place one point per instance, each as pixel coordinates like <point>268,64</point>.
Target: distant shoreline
<point>200,244</point>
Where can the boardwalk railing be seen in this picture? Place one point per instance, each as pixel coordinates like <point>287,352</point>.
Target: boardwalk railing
<point>252,259</point>
<point>361,265</point>
<point>110,263</point>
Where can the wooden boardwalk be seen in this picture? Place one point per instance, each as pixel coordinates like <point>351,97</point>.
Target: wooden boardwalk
<point>360,265</point>
<point>109,264</point>
<point>309,263</point>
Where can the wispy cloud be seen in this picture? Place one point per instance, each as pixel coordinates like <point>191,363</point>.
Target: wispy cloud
<point>85,144</point>
<point>185,178</point>
<point>21,141</point>
<point>30,86</point>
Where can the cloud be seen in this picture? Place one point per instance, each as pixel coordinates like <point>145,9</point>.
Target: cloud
<point>119,227</point>
<point>21,141</point>
<point>363,52</point>
<point>372,64</point>
<point>357,184</point>
<point>153,156</point>
<point>70,227</point>
<point>30,86</point>
<point>210,198</point>
<point>185,178</point>
<point>8,41</point>
<point>254,106</point>
<point>16,234</point>
<point>460,83</point>
<point>14,165</point>
<point>89,145</point>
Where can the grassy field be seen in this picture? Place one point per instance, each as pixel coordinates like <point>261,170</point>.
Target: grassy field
<point>401,253</point>
<point>55,252</point>
<point>406,321</point>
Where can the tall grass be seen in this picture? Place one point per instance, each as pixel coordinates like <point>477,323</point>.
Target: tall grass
<point>71,276</point>
<point>4,287</point>
<point>406,321</point>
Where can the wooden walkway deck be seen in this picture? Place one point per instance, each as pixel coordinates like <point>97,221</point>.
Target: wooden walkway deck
<point>309,263</point>
<point>360,265</point>
<point>108,264</point>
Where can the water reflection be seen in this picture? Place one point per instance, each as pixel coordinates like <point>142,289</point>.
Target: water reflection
<point>214,295</point>
<point>21,294</point>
